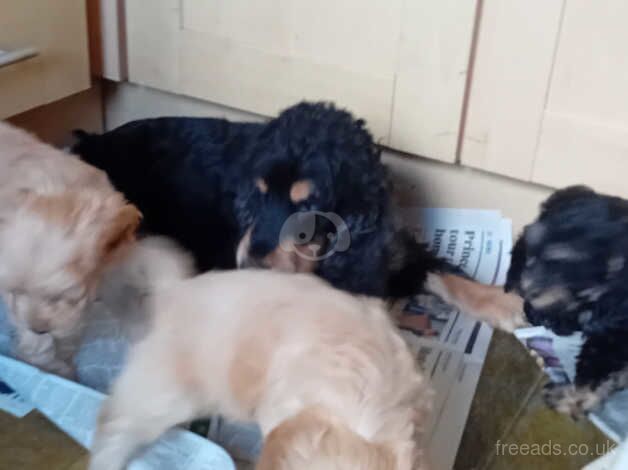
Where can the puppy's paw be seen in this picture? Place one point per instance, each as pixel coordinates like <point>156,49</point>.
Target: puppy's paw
<point>537,358</point>
<point>505,311</point>
<point>488,303</point>
<point>576,402</point>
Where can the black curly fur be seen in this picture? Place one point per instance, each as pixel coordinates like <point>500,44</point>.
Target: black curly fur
<point>194,180</point>
<point>571,268</point>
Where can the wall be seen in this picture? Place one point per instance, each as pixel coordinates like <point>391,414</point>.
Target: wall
<point>419,181</point>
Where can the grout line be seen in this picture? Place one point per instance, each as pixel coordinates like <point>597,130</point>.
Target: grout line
<point>467,87</point>
<point>548,89</point>
<point>181,15</point>
<point>392,111</point>
<point>398,62</point>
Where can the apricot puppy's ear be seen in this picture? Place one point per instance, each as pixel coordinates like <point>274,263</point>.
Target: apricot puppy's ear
<point>120,231</point>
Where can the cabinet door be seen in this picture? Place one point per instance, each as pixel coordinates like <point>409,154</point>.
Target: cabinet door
<point>510,72</point>
<point>548,101</point>
<point>584,132</point>
<point>265,55</point>
<point>57,30</point>
<point>434,49</point>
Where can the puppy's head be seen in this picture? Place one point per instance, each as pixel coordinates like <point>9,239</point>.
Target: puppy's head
<point>309,165</point>
<point>281,189</point>
<point>52,251</point>
<point>571,259</point>
<point>315,440</point>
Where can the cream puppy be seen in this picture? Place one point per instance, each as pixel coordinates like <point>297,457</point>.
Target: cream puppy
<point>127,286</point>
<point>61,223</point>
<point>325,374</point>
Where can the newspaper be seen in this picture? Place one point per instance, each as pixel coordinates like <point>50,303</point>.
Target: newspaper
<point>74,409</point>
<point>557,356</point>
<point>451,346</point>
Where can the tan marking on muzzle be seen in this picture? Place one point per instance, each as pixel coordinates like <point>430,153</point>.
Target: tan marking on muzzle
<point>300,191</point>
<point>261,185</point>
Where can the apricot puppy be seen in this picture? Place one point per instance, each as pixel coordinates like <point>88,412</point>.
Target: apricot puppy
<point>325,374</point>
<point>61,223</point>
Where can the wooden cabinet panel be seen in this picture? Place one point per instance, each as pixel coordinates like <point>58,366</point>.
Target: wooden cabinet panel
<point>357,35</point>
<point>584,135</point>
<point>266,83</point>
<point>435,44</point>
<point>511,71</point>
<point>548,101</point>
<point>107,39</point>
<point>577,150</point>
<point>266,55</point>
<point>57,29</point>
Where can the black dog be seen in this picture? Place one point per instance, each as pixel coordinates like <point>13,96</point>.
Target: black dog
<point>570,267</point>
<point>305,191</point>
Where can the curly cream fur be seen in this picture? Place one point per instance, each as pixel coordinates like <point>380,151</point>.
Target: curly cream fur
<point>325,375</point>
<point>61,222</point>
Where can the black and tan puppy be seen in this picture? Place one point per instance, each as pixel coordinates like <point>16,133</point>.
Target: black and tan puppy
<point>570,267</point>
<point>305,191</point>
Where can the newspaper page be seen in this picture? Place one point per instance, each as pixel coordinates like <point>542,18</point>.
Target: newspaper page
<point>74,409</point>
<point>451,346</point>
<point>12,402</point>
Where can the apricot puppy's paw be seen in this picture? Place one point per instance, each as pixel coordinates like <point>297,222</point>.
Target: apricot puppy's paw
<point>507,312</point>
